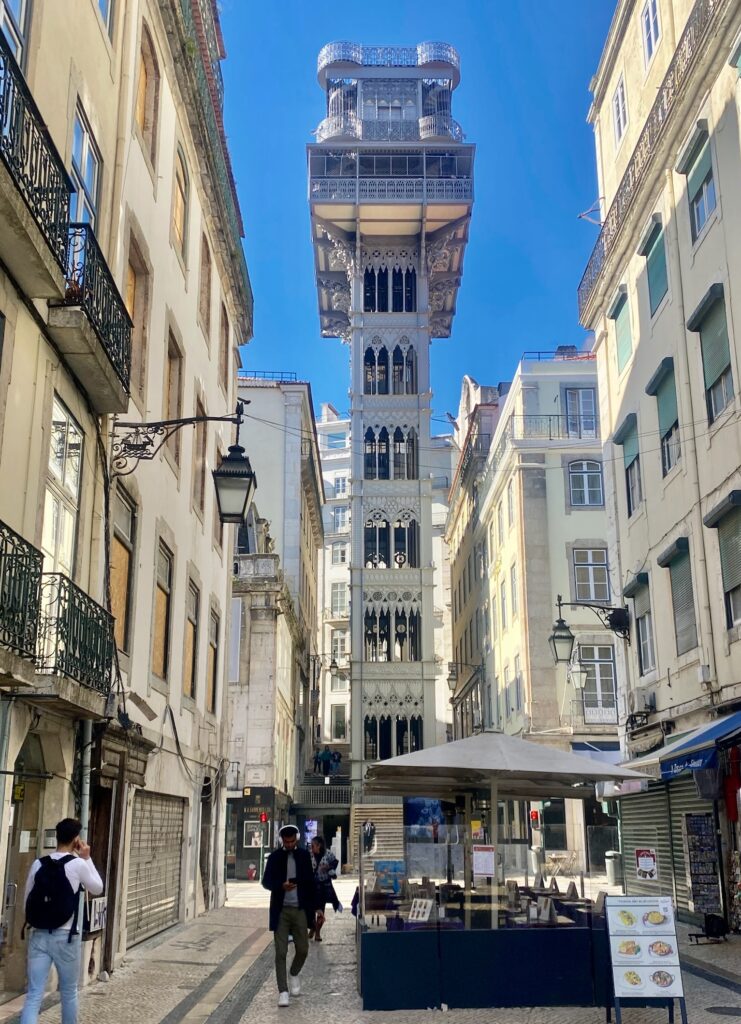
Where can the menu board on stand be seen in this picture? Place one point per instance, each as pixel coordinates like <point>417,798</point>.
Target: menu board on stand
<point>644,952</point>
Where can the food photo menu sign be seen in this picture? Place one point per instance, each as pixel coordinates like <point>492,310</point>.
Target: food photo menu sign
<point>643,947</point>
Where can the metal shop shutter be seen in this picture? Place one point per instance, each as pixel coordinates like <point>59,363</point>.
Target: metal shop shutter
<point>684,800</point>
<point>644,823</point>
<point>154,865</point>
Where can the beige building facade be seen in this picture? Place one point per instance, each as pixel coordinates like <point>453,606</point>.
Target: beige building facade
<point>660,293</point>
<point>124,295</point>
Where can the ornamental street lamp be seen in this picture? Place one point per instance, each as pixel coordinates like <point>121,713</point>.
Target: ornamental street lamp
<point>562,640</point>
<point>234,479</point>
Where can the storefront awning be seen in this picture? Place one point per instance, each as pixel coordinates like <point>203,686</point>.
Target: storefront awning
<point>700,748</point>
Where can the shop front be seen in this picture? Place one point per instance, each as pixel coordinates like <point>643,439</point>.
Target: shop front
<point>455,903</point>
<point>253,821</point>
<point>688,821</point>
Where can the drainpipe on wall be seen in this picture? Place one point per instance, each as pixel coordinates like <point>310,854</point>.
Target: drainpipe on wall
<point>87,739</point>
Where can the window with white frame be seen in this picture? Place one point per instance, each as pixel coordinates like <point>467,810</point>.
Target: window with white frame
<point>585,483</point>
<point>341,517</point>
<point>729,541</point>
<point>339,553</point>
<point>339,599</point>
<point>507,693</point>
<point>598,696</point>
<point>13,15</point>
<point>340,486</point>
<point>619,111</point>
<point>503,603</point>
<point>336,441</point>
<point>683,600</point>
<point>85,173</point>
<point>62,500</point>
<point>500,524</point>
<point>700,186</point>
<point>651,29</point>
<point>591,578</point>
<point>581,412</point>
<point>644,630</point>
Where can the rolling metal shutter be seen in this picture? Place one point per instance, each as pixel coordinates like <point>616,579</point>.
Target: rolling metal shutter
<point>644,823</point>
<point>683,799</point>
<point>153,902</point>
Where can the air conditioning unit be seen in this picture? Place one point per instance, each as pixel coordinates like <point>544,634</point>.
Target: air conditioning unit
<point>641,700</point>
<point>703,675</point>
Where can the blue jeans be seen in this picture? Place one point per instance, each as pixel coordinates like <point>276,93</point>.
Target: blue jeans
<point>45,949</point>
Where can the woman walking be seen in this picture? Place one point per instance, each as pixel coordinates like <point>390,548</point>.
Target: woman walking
<point>324,863</point>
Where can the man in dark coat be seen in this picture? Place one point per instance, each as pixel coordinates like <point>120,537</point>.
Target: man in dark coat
<point>289,877</point>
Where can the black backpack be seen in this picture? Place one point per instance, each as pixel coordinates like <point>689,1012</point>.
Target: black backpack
<point>52,901</point>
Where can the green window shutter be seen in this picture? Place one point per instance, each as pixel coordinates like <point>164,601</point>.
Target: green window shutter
<point>630,447</point>
<point>714,344</point>
<point>658,283</point>
<point>622,333</point>
<point>729,538</point>
<point>666,399</point>
<point>699,170</point>
<point>642,602</point>
<point>683,602</point>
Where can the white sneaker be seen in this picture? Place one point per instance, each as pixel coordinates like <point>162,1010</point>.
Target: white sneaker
<point>283,999</point>
<point>294,985</point>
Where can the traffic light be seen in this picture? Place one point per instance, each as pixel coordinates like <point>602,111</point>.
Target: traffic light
<point>534,819</point>
<point>263,817</point>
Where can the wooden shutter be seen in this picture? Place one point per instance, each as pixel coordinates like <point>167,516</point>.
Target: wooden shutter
<point>683,602</point>
<point>729,538</point>
<point>666,399</point>
<point>714,343</point>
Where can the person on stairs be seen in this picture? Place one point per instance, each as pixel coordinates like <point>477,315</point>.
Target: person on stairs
<point>289,877</point>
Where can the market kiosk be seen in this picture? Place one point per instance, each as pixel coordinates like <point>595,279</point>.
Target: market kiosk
<point>453,923</point>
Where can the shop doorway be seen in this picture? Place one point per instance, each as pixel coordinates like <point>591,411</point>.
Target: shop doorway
<point>24,844</point>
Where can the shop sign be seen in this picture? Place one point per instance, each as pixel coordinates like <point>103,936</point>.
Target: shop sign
<point>643,948</point>
<point>688,763</point>
<point>647,865</point>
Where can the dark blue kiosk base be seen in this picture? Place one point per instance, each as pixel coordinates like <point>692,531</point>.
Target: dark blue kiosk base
<point>506,967</point>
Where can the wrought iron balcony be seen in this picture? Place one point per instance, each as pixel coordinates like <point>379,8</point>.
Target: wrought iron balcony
<point>91,325</point>
<point>39,176</point>
<point>440,126</point>
<point>591,710</point>
<point>387,56</point>
<point>356,190</point>
<point>20,582</point>
<point>75,636</point>
<point>700,28</point>
<point>554,428</point>
<point>339,126</point>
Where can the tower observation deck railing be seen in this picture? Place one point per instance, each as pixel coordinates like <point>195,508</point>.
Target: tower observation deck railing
<point>387,56</point>
<point>356,190</point>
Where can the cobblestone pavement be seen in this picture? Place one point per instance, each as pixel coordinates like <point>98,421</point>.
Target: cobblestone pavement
<point>219,970</point>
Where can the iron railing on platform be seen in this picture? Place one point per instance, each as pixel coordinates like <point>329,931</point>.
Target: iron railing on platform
<point>20,583</point>
<point>75,635</point>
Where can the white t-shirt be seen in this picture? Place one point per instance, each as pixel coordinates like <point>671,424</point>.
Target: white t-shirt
<point>78,871</point>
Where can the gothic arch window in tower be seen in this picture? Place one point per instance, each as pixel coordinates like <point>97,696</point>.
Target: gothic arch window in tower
<point>410,290</point>
<point>376,635</point>
<point>376,371</point>
<point>405,454</point>
<point>397,290</point>
<point>404,370</point>
<point>406,543</point>
<point>377,542</point>
<point>382,290</point>
<point>369,290</point>
<point>376,454</point>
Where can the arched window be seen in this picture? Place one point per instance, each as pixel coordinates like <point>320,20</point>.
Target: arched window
<point>405,455</point>
<point>585,483</point>
<point>410,291</point>
<point>180,204</point>
<point>406,544</point>
<point>376,636</point>
<point>416,735</point>
<point>410,371</point>
<point>371,737</point>
<point>376,454</point>
<point>377,543</point>
<point>382,291</point>
<point>369,291</point>
<point>397,290</point>
<point>147,94</point>
<point>385,746</point>
<point>376,372</point>
<point>397,371</point>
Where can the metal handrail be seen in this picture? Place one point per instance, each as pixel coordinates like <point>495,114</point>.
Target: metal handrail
<point>75,635</point>
<point>32,159</point>
<point>90,285</point>
<point>434,126</point>
<point>554,427</point>
<point>387,56</point>
<point>20,582</point>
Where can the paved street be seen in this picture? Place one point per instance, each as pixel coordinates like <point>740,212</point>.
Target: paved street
<point>219,970</point>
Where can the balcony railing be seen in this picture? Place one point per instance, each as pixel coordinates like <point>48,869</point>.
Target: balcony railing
<point>75,634</point>
<point>383,189</point>
<point>700,27</point>
<point>20,581</point>
<point>27,150</point>
<point>439,126</point>
<point>593,712</point>
<point>318,796</point>
<point>387,56</point>
<point>554,428</point>
<point>338,126</point>
<point>91,286</point>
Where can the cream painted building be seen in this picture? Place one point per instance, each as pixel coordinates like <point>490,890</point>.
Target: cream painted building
<point>275,609</point>
<point>661,294</point>
<point>527,522</point>
<point>124,293</point>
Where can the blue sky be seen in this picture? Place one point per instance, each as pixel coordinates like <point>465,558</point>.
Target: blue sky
<point>523,99</point>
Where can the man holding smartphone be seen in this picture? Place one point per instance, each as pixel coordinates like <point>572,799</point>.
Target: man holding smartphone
<point>52,904</point>
<point>290,879</point>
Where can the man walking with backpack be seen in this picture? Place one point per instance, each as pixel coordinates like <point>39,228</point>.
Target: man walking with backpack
<point>52,905</point>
